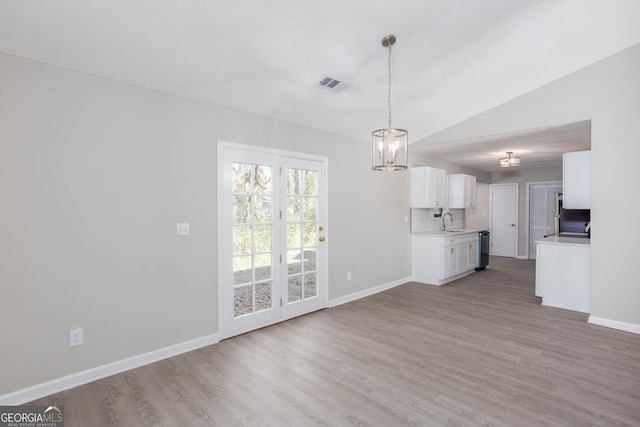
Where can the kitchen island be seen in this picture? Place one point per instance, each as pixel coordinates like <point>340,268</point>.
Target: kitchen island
<point>562,272</point>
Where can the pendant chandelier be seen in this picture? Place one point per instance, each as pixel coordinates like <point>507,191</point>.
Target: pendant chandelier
<point>389,146</point>
<point>507,162</point>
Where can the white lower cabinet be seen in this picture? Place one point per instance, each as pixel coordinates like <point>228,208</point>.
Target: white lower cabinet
<point>449,258</point>
<point>471,253</point>
<point>562,273</point>
<point>437,259</point>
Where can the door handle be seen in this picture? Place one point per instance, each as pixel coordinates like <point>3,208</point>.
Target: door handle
<point>321,238</point>
<point>320,228</point>
<point>513,225</point>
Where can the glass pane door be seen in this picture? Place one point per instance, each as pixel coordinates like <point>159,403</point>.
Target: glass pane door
<point>304,243</point>
<point>302,236</point>
<point>252,238</point>
<point>271,256</point>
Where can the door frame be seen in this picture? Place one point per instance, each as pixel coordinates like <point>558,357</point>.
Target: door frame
<point>506,184</point>
<point>224,149</point>
<point>527,218</point>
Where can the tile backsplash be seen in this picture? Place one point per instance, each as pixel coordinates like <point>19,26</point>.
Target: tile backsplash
<point>424,219</point>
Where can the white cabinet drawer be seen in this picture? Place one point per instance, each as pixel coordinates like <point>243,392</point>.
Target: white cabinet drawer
<point>450,241</point>
<point>468,238</point>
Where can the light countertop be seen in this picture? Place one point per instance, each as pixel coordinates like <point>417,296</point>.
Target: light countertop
<point>558,240</point>
<point>439,233</point>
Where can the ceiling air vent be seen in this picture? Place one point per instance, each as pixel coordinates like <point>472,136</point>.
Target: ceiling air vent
<point>332,85</point>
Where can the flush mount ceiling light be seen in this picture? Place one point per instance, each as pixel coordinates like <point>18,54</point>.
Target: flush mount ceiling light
<point>507,162</point>
<point>389,147</point>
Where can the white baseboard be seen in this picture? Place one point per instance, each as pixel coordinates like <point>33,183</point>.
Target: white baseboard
<point>522,257</point>
<point>38,391</point>
<point>355,296</point>
<point>614,324</point>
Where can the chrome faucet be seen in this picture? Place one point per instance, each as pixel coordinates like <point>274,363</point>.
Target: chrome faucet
<point>444,226</point>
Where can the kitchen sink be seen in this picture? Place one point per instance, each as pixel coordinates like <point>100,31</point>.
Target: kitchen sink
<point>455,231</point>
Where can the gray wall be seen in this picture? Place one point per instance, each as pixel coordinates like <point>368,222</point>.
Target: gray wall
<point>521,177</point>
<point>94,176</point>
<point>608,94</point>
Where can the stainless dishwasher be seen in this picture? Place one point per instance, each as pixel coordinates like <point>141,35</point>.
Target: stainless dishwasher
<point>483,249</point>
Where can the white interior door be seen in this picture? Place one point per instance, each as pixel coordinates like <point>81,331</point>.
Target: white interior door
<point>270,264</point>
<point>504,220</point>
<point>541,211</point>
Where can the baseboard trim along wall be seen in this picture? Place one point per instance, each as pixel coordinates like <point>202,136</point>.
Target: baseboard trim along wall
<point>357,295</point>
<point>614,324</point>
<point>39,391</point>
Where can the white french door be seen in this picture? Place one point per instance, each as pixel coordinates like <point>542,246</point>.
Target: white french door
<point>272,250</point>
<point>303,236</point>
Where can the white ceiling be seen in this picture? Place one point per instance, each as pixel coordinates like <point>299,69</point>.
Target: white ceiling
<point>453,59</point>
<point>537,148</point>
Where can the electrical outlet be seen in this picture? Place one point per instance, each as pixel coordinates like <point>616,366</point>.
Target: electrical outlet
<point>348,275</point>
<point>76,337</point>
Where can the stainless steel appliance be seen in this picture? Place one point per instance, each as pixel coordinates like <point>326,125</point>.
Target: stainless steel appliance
<point>483,249</point>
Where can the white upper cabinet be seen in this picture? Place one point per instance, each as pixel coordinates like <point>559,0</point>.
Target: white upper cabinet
<point>427,187</point>
<point>462,191</point>
<point>576,183</point>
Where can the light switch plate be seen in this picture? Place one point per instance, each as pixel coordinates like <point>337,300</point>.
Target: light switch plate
<point>183,229</point>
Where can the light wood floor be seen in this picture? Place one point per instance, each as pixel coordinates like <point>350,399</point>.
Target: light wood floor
<point>478,351</point>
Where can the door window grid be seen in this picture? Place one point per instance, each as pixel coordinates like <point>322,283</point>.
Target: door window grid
<point>252,238</point>
<point>302,237</point>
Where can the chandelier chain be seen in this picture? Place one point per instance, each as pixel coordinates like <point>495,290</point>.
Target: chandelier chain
<point>389,90</point>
